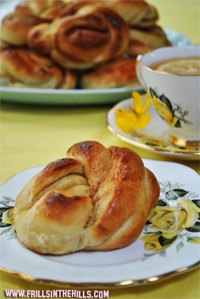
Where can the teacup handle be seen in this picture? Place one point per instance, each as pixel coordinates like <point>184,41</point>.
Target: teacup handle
<point>139,72</point>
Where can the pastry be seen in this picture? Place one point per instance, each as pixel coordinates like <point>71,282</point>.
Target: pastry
<point>96,41</point>
<point>52,12</point>
<point>39,38</point>
<point>75,6</point>
<point>48,10</point>
<point>137,13</point>
<point>143,41</point>
<point>117,73</point>
<point>69,79</point>
<point>96,198</point>
<point>15,26</point>
<point>25,68</point>
<point>39,7</point>
<point>91,36</point>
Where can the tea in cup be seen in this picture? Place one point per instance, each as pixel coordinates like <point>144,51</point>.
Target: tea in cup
<point>171,76</point>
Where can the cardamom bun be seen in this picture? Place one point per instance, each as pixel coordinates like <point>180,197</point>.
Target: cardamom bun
<point>96,198</point>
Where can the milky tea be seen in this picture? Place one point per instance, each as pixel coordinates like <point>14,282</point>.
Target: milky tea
<point>187,66</point>
<point>171,76</point>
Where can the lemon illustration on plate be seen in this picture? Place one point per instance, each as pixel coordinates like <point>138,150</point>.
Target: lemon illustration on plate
<point>6,216</point>
<point>165,113</point>
<point>165,109</point>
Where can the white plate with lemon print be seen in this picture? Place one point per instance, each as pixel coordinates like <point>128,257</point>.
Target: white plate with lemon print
<point>135,121</point>
<point>168,245</point>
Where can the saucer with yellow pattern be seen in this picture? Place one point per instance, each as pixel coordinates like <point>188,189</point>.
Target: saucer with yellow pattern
<point>153,137</point>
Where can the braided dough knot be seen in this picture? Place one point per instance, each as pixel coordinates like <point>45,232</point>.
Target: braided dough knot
<point>92,35</point>
<point>16,25</point>
<point>95,199</point>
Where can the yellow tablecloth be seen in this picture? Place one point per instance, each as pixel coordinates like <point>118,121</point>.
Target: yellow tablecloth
<point>35,135</point>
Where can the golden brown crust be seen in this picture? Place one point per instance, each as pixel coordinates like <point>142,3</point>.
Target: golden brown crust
<point>30,69</point>
<point>94,35</point>
<point>124,169</point>
<point>95,159</point>
<point>53,172</point>
<point>37,6</point>
<point>46,9</point>
<point>95,199</point>
<point>143,41</point>
<point>15,26</point>
<point>70,79</point>
<point>124,196</point>
<point>117,73</point>
<point>86,39</point>
<point>136,12</point>
<point>74,7</point>
<point>53,11</point>
<point>39,38</point>
<point>60,209</point>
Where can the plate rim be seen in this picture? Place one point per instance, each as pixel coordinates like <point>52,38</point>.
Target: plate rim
<point>117,284</point>
<point>67,97</point>
<point>114,284</point>
<point>69,91</point>
<point>178,153</point>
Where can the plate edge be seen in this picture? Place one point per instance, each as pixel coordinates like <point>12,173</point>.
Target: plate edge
<point>117,284</point>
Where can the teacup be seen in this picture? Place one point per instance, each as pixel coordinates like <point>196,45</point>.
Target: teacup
<point>171,76</point>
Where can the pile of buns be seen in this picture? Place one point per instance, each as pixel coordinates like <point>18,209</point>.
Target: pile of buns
<point>80,43</point>
<point>96,198</point>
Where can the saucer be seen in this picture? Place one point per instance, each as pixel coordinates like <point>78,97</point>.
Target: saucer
<point>154,137</point>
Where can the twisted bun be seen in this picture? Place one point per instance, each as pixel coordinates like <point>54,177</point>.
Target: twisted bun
<point>53,10</point>
<point>95,199</point>
<point>15,26</point>
<point>116,73</point>
<point>92,40</point>
<point>143,41</point>
<point>30,69</point>
<point>69,80</point>
<point>48,10</point>
<point>75,6</point>
<point>38,6</point>
<point>39,38</point>
<point>136,12</point>
<point>93,35</point>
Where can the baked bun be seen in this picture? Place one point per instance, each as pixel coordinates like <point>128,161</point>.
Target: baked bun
<point>53,10</point>
<point>95,41</point>
<point>143,41</point>
<point>47,9</point>
<point>136,13</point>
<point>117,73</point>
<point>26,68</point>
<point>93,35</point>
<point>37,7</point>
<point>15,26</point>
<point>39,38</point>
<point>75,6</point>
<point>95,199</point>
<point>69,79</point>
